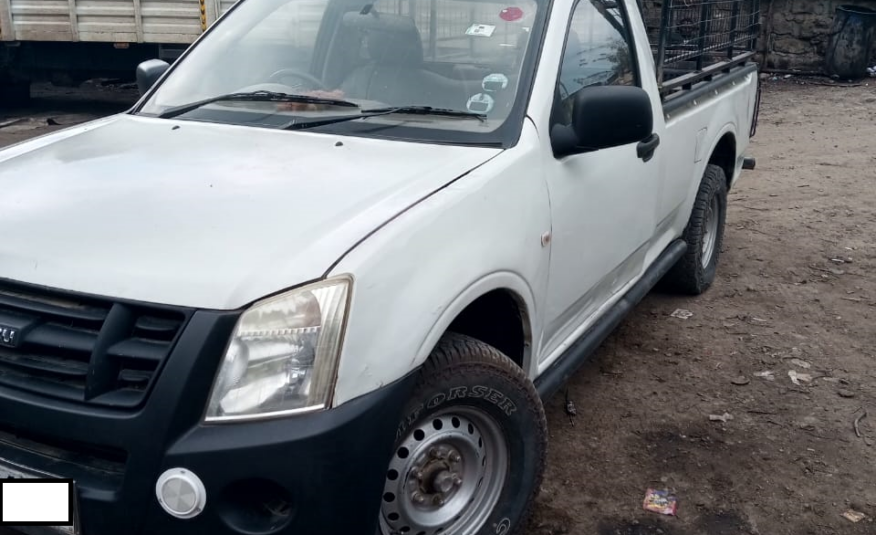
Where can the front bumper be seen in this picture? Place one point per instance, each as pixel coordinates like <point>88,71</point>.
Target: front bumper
<point>320,473</point>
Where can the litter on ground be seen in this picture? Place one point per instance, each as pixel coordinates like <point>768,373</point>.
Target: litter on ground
<point>796,378</point>
<point>854,516</point>
<point>660,501</point>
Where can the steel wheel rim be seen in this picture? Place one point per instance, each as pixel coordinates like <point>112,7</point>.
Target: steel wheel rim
<point>710,232</point>
<point>446,476</point>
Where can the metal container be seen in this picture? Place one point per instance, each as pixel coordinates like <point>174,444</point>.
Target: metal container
<point>851,42</point>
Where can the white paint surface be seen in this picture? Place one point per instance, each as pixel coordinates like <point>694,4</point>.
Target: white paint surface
<point>218,216</point>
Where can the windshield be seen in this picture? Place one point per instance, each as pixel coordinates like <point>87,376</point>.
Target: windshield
<point>458,55</point>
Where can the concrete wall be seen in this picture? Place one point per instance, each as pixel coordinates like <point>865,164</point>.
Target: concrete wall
<point>795,33</point>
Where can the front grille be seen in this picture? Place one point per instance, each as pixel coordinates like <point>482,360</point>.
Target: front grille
<point>100,459</point>
<point>83,349</point>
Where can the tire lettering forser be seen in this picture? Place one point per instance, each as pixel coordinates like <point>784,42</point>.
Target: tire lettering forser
<point>492,395</point>
<point>436,400</point>
<point>409,421</point>
<point>497,398</point>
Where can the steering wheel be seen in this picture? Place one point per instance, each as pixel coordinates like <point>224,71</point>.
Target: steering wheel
<point>307,80</point>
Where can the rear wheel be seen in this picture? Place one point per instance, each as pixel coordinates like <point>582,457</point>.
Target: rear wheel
<point>473,416</point>
<point>695,271</point>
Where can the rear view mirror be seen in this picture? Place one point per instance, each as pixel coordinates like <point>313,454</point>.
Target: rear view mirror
<point>149,72</point>
<point>605,117</point>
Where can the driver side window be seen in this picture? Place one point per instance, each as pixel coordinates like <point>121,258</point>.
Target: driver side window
<point>598,51</point>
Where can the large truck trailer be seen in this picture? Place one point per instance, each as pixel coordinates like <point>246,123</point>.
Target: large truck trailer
<point>69,41</point>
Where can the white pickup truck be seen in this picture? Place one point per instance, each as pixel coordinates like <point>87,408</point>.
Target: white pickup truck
<point>321,285</point>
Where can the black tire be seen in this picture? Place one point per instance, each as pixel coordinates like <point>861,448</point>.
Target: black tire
<point>464,374</point>
<point>691,275</point>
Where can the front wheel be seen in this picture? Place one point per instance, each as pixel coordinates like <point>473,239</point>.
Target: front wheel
<point>470,451</point>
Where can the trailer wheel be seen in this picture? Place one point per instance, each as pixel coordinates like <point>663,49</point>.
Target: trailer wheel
<point>704,234</point>
<point>470,450</point>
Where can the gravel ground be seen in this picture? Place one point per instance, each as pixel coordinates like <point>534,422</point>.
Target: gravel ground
<point>795,295</point>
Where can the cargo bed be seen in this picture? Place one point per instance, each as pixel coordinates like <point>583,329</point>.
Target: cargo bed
<point>696,40</point>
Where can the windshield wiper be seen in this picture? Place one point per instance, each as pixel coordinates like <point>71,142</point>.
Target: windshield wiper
<point>375,112</point>
<point>254,96</point>
<point>428,110</point>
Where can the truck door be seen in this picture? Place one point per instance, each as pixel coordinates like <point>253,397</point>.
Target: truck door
<point>603,203</point>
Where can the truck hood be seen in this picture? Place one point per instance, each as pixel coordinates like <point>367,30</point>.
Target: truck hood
<point>202,215</point>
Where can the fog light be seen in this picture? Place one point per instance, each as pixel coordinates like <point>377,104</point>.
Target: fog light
<point>181,493</point>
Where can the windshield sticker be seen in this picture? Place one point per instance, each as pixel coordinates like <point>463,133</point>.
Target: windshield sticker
<point>480,103</point>
<point>495,82</point>
<point>510,14</point>
<point>480,30</point>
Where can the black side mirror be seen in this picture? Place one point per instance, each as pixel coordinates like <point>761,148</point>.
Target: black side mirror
<point>605,117</point>
<point>149,72</point>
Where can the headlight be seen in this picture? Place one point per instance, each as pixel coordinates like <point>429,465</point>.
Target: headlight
<point>283,355</point>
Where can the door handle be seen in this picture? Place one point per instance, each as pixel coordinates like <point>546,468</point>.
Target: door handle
<point>645,149</point>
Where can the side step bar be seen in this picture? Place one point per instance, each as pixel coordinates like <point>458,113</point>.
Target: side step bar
<point>549,382</point>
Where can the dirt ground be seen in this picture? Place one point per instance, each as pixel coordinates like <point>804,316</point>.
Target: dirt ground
<point>55,108</point>
<point>794,294</point>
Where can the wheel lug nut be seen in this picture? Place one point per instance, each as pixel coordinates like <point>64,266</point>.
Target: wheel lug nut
<point>438,500</point>
<point>434,453</point>
<point>418,498</point>
<point>455,457</point>
<point>457,480</point>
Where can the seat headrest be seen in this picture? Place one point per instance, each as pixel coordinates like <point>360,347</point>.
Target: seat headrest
<point>389,39</point>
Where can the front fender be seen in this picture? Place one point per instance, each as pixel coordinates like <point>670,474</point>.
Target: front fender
<point>504,280</point>
<point>414,275</point>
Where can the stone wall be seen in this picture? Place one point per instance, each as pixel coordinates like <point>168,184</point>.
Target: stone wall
<point>795,33</point>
